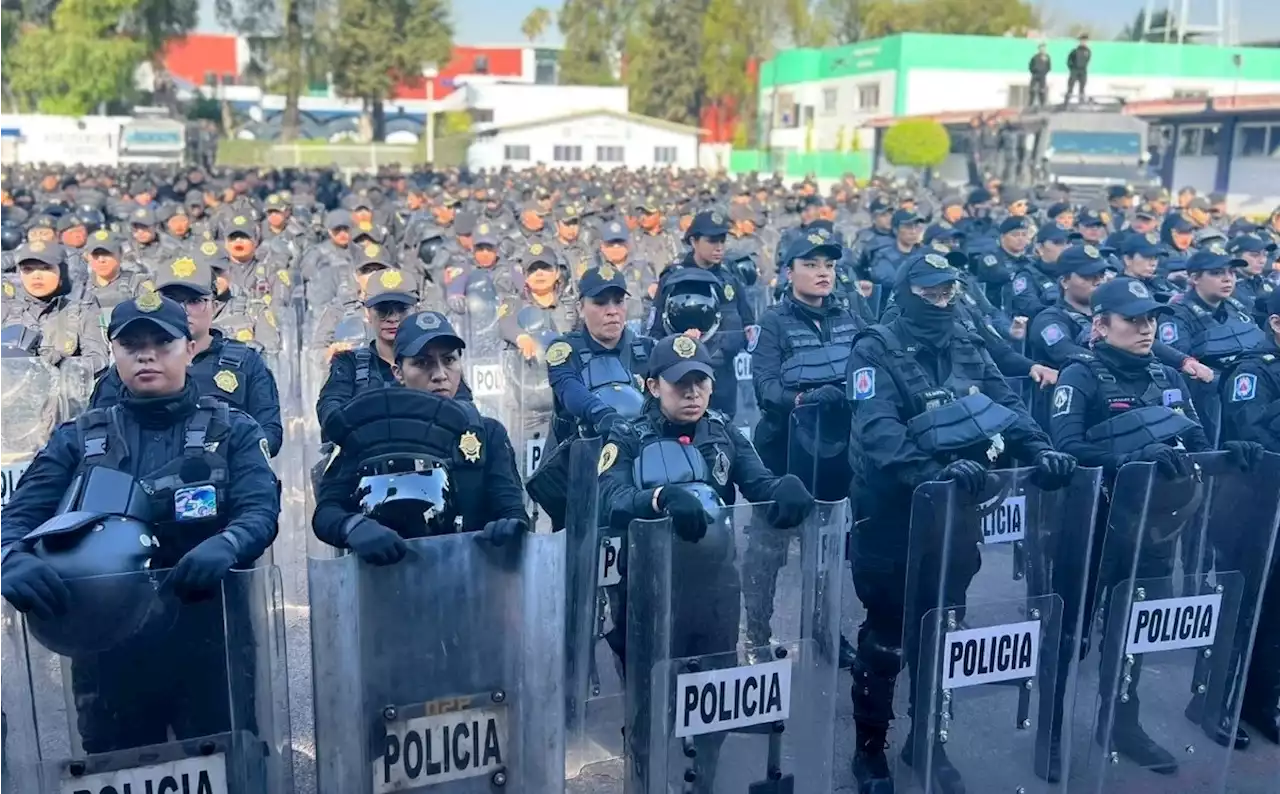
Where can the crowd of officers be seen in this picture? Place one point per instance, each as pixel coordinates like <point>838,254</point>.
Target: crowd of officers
<point>873,318</point>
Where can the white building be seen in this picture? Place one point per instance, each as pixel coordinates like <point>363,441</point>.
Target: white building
<point>501,103</point>
<point>607,138</point>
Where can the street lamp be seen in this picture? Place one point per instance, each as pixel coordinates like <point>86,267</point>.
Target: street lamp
<point>429,72</point>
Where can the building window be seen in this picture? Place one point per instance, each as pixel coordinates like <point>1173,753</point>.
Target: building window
<point>830,96</point>
<point>481,64</point>
<point>567,154</point>
<point>545,67</point>
<point>518,153</point>
<point>609,154</point>
<point>808,114</point>
<point>1258,140</point>
<point>869,96</point>
<point>481,116</point>
<point>1019,96</point>
<point>1190,93</point>
<point>664,155</point>
<point>1200,140</point>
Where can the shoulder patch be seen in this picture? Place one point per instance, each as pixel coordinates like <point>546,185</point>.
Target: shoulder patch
<point>1244,388</point>
<point>864,383</point>
<point>1168,333</point>
<point>1052,334</point>
<point>1062,397</point>
<point>559,353</point>
<point>1019,285</point>
<point>608,456</point>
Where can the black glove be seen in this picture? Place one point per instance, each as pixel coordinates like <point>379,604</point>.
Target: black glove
<point>791,500</point>
<point>825,395</point>
<point>1245,454</point>
<point>606,422</point>
<point>687,516</point>
<point>201,569</point>
<point>1053,469</point>
<point>1170,463</point>
<point>502,530</point>
<point>376,544</point>
<point>31,585</point>
<point>969,475</point>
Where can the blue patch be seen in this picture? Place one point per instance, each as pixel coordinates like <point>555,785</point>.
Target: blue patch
<point>752,333</point>
<point>1245,387</point>
<point>1052,335</point>
<point>1168,333</point>
<point>195,503</point>
<point>1171,397</point>
<point>1062,397</point>
<point>1019,285</point>
<point>864,383</point>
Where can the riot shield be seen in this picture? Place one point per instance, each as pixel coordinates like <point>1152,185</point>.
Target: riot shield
<point>29,393</point>
<point>134,690</point>
<point>486,373</point>
<point>818,449</point>
<point>711,708</point>
<point>1183,567</point>
<point>75,387</point>
<point>527,406</point>
<point>595,591</point>
<point>443,671</point>
<point>748,413</point>
<point>993,607</point>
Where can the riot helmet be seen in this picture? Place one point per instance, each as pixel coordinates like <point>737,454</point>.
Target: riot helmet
<point>411,493</point>
<point>692,303</point>
<point>11,236</point>
<point>745,268</point>
<point>429,247</point>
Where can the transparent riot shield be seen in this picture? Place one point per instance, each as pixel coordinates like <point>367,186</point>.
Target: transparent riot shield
<point>528,406</point>
<point>484,358</point>
<point>714,702</point>
<point>596,600</point>
<point>1180,583</point>
<point>29,397</point>
<point>133,690</point>
<point>993,608</point>
<point>818,449</point>
<point>75,387</point>
<point>748,412</point>
<point>443,672</point>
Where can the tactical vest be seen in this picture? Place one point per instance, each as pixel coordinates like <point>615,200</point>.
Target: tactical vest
<point>368,376</point>
<point>231,359</point>
<point>811,363</point>
<point>953,419</point>
<point>1220,343</point>
<point>612,377</point>
<point>1046,289</point>
<point>184,511</point>
<point>700,467</point>
<point>1135,419</point>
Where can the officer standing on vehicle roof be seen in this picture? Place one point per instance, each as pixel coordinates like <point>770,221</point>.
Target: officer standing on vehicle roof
<point>227,369</point>
<point>595,373</point>
<point>433,422</point>
<point>1209,324</point>
<point>928,404</point>
<point>211,500</point>
<point>1251,412</point>
<point>1115,405</point>
<point>706,236</point>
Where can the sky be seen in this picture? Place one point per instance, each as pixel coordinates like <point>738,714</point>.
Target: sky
<point>498,21</point>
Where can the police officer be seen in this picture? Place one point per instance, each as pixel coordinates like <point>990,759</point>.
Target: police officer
<point>1251,412</point>
<point>1035,288</point>
<point>706,236</point>
<point>569,239</point>
<point>653,242</point>
<point>1252,283</point>
<point>433,417</point>
<point>545,308</point>
<point>43,301</point>
<point>107,283</point>
<point>390,295</point>
<point>320,262</point>
<point>263,274</point>
<point>913,381</point>
<point>995,270</point>
<point>1210,325</point>
<point>907,226</point>
<point>1140,254</point>
<point>877,235</point>
<point>227,369</point>
<point>144,251</point>
<point>1117,405</point>
<point>211,500</point>
<point>595,372</point>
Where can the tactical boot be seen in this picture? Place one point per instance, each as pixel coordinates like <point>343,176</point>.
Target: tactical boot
<point>1131,741</point>
<point>870,766</point>
<point>1220,729</point>
<point>944,777</point>
<point>1263,717</point>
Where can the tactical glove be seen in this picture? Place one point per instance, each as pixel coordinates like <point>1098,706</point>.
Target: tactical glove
<point>1245,454</point>
<point>823,395</point>
<point>687,516</point>
<point>376,544</point>
<point>1053,469</point>
<point>31,585</point>
<point>1170,463</point>
<point>503,530</point>
<point>791,501</point>
<point>201,569</point>
<point>968,475</point>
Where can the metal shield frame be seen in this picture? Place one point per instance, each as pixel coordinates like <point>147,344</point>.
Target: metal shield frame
<point>685,598</point>
<point>1015,557</point>
<point>458,624</point>
<point>94,716</point>
<point>1211,538</point>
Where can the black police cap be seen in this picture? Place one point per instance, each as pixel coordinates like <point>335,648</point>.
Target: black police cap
<point>678,355</point>
<point>150,308</point>
<point>1127,297</point>
<point>417,330</point>
<point>598,279</point>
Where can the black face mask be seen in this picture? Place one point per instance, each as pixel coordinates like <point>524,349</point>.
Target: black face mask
<point>931,325</point>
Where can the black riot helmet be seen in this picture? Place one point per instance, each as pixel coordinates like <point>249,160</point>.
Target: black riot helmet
<point>745,268</point>
<point>410,493</point>
<point>692,303</point>
<point>91,218</point>
<point>11,236</point>
<point>429,247</point>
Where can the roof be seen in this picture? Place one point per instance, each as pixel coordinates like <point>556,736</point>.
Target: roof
<point>636,118</point>
<point>1245,103</point>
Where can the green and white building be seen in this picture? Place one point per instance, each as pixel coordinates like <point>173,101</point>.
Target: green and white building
<point>814,103</point>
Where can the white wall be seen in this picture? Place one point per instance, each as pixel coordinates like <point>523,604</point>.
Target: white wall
<point>849,112</point>
<point>938,91</point>
<point>88,140</point>
<point>1198,171</point>
<point>516,104</point>
<point>1253,185</point>
<point>637,139</point>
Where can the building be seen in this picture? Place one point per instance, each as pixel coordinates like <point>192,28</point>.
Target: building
<point>815,103</point>
<point>601,137</point>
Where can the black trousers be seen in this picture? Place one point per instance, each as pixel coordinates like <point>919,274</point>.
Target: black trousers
<point>1074,80</point>
<point>1039,92</point>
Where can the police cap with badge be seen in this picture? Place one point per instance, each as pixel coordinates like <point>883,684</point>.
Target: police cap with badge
<point>149,309</point>
<point>373,256</point>
<point>597,280</point>
<point>184,277</point>
<point>708,223</point>
<point>391,287</point>
<point>1127,297</point>
<point>615,232</point>
<point>1146,246</point>
<point>677,356</point>
<point>36,251</point>
<point>1249,244</point>
<point>929,267</point>
<point>103,240</point>
<point>905,218</point>
<point>1082,260</point>
<point>418,330</point>
<point>1015,223</point>
<point>1215,257</point>
<point>808,244</point>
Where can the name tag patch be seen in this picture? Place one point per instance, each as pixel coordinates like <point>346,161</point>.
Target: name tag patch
<point>195,503</point>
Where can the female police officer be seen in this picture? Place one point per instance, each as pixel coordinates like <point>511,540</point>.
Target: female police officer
<point>434,426</point>
<point>211,501</point>
<point>593,372</point>
<point>928,404</point>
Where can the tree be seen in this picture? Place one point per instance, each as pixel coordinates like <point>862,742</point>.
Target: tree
<point>1162,27</point>
<point>917,143</point>
<point>535,24</point>
<point>855,20</point>
<point>379,44</point>
<point>592,40</point>
<point>454,122</point>
<point>671,67</point>
<point>78,61</point>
